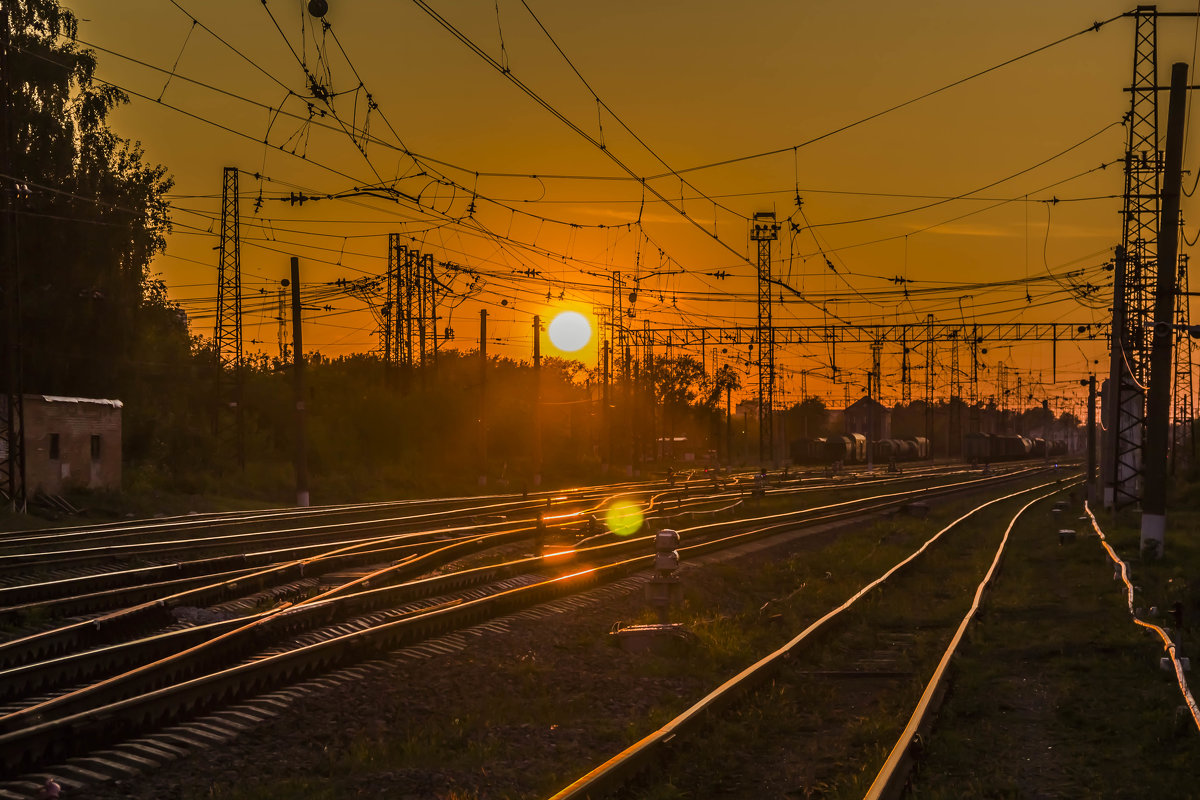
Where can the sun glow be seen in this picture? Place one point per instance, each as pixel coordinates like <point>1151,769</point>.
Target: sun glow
<point>570,331</point>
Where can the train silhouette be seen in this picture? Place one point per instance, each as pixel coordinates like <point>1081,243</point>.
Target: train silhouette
<point>984,448</point>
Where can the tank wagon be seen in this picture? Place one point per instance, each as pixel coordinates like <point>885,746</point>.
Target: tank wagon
<point>853,449</point>
<point>985,447</point>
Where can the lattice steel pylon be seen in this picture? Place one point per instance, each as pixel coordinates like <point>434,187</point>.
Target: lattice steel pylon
<point>428,312</point>
<point>1183,397</point>
<point>390,306</point>
<point>227,335</point>
<point>408,299</point>
<point>1133,301</point>
<point>765,230</point>
<point>954,424</point>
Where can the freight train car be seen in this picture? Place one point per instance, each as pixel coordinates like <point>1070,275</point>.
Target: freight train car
<point>987,447</point>
<point>848,449</point>
<point>808,451</point>
<point>853,449</point>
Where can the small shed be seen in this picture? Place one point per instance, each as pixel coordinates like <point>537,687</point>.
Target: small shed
<point>71,443</point>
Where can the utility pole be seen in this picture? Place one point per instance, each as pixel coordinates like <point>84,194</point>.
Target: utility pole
<point>1183,390</point>
<point>12,458</point>
<point>729,425</point>
<point>929,382</point>
<point>430,294</point>
<point>227,338</point>
<point>537,400</point>
<point>765,230</point>
<point>1137,256</point>
<point>1091,441</point>
<point>974,413</point>
<point>954,424</point>
<point>391,308</point>
<point>411,260</point>
<point>1158,401</point>
<point>281,318</point>
<point>873,394</point>
<point>298,385</point>
<point>482,432</point>
<point>606,396</point>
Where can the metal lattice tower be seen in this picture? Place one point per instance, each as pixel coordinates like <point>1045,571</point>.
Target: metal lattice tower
<point>429,334</point>
<point>619,333</point>
<point>1133,301</point>
<point>875,388</point>
<point>227,335</point>
<point>954,426</point>
<point>929,381</point>
<point>409,304</point>
<point>1143,185</point>
<point>1184,388</point>
<point>765,230</point>
<point>905,374</point>
<point>390,306</point>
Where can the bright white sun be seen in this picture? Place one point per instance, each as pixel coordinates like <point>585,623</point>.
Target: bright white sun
<point>570,331</point>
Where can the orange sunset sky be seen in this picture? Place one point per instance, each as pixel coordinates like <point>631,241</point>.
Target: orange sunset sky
<point>993,201</point>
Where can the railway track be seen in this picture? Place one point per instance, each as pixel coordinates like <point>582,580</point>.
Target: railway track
<point>809,698</point>
<point>72,701</point>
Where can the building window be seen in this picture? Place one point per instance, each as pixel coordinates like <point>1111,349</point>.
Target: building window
<point>54,447</point>
<point>95,447</point>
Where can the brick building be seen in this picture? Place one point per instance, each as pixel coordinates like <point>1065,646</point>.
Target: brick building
<point>870,418</point>
<point>71,443</point>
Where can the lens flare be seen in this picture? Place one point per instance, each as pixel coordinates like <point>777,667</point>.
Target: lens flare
<point>623,518</point>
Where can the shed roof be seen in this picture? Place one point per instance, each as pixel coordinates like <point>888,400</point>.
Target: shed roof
<point>50,398</point>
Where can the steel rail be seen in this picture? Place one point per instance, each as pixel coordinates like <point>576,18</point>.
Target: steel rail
<point>1168,644</point>
<point>188,521</point>
<point>618,770</point>
<point>18,600</point>
<point>107,627</point>
<point>46,739</point>
<point>890,780</point>
<point>25,559</point>
<point>86,664</point>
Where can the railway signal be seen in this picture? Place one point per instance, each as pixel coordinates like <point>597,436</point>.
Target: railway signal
<point>664,587</point>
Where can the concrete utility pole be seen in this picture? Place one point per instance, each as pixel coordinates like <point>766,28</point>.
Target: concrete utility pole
<point>1091,440</point>
<point>729,425</point>
<point>483,475</point>
<point>537,400</point>
<point>298,384</point>
<point>1158,404</point>
<point>606,400</point>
